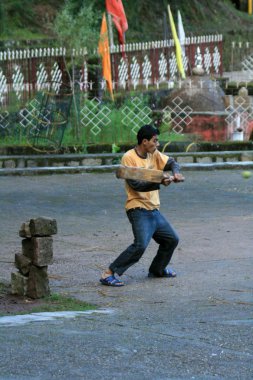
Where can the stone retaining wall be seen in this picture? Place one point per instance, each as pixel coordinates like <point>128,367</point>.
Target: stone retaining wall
<point>72,160</point>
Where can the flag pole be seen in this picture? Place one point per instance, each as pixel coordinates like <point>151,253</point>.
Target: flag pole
<point>110,29</point>
<point>111,43</point>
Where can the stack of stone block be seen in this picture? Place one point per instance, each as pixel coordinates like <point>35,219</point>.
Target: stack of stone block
<point>31,280</point>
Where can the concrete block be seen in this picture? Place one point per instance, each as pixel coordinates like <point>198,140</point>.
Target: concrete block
<point>43,226</point>
<point>21,163</point>
<point>39,250</point>
<point>18,284</point>
<point>58,164</point>
<point>38,283</point>
<point>9,164</point>
<point>108,161</point>
<point>73,163</point>
<point>187,159</point>
<point>32,164</point>
<point>231,159</point>
<point>91,161</point>
<point>25,230</point>
<point>204,160</point>
<point>247,156</point>
<point>22,263</point>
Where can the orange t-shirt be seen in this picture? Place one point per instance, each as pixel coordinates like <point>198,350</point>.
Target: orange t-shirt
<point>149,199</point>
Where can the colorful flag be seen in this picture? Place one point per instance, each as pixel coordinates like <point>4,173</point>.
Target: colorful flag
<point>177,45</point>
<point>181,33</point>
<point>104,51</point>
<point>116,9</point>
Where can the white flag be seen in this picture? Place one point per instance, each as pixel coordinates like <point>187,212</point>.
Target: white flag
<point>181,33</point>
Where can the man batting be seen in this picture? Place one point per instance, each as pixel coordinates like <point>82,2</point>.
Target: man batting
<point>142,208</point>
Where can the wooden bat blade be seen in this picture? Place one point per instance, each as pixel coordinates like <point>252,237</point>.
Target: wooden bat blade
<point>140,174</point>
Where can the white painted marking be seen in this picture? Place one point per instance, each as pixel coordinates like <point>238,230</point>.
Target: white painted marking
<point>15,320</point>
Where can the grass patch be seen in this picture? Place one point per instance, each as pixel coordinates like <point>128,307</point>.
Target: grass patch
<point>58,302</point>
<point>18,305</point>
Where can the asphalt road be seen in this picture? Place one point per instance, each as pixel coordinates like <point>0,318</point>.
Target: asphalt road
<point>197,326</point>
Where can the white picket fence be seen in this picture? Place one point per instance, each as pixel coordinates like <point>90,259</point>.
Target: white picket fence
<point>197,40</point>
<point>24,72</point>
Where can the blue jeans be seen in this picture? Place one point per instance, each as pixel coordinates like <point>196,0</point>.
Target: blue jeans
<point>147,224</point>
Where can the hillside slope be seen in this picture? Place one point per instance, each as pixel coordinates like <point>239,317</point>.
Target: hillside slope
<point>147,19</point>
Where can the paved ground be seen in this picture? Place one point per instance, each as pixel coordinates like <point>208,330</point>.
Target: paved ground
<point>197,326</point>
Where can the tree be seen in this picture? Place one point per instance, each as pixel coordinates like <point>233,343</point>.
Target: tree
<point>2,19</point>
<point>77,25</point>
<point>16,12</point>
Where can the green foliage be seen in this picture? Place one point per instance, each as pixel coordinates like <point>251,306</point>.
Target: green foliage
<point>147,20</point>
<point>15,13</point>
<point>112,122</point>
<point>76,23</point>
<point>115,148</point>
<point>53,303</point>
<point>2,19</point>
<point>105,122</point>
<point>17,140</point>
<point>58,302</point>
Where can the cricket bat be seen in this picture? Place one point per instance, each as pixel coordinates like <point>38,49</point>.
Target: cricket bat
<point>142,174</point>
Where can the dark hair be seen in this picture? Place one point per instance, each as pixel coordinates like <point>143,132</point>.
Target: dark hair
<point>146,132</point>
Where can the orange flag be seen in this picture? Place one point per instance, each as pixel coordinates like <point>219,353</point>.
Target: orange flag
<point>116,9</point>
<point>104,51</point>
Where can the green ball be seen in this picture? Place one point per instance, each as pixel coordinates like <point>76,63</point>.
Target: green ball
<point>246,174</point>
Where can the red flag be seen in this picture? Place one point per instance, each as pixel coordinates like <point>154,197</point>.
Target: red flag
<point>116,9</point>
<point>104,51</point>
